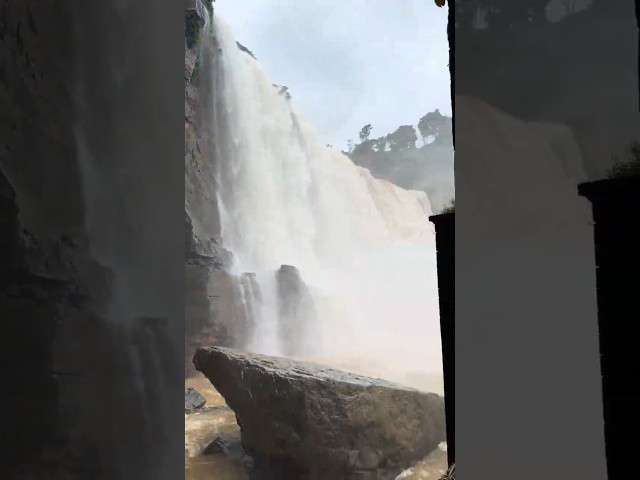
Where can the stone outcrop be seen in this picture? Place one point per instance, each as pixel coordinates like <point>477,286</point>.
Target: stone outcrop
<point>78,218</point>
<point>45,286</point>
<point>302,420</point>
<point>193,400</point>
<point>207,288</point>
<point>46,277</point>
<point>198,7</point>
<point>219,306</point>
<point>209,302</point>
<point>296,311</point>
<point>247,309</point>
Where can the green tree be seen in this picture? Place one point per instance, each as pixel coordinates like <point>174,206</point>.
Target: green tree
<point>380,144</point>
<point>403,138</point>
<point>192,28</point>
<point>363,150</point>
<point>365,132</point>
<point>435,125</point>
<point>629,167</point>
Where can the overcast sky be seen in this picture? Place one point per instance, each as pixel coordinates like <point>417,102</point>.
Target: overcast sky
<point>349,62</point>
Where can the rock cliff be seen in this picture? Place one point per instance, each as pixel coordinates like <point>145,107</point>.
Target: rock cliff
<point>209,288</point>
<point>297,313</point>
<point>78,220</point>
<point>218,306</point>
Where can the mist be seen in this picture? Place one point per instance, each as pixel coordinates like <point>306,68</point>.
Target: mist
<point>364,248</point>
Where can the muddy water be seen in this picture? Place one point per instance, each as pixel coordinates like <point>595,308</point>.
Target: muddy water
<point>203,428</point>
<point>200,429</point>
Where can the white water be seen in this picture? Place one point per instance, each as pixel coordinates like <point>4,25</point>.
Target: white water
<point>364,247</point>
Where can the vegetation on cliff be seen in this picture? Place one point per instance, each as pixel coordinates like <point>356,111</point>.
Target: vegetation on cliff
<point>195,20</point>
<point>192,27</point>
<point>434,129</point>
<point>415,159</point>
<point>629,167</point>
<point>451,208</point>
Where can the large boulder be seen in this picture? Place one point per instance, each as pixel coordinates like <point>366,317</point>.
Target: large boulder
<point>303,420</point>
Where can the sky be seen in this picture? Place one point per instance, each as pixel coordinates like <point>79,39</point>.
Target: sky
<point>348,63</point>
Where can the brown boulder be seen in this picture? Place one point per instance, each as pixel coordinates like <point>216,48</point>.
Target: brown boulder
<point>302,420</point>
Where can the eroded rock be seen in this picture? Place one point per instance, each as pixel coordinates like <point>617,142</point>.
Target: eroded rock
<point>302,420</point>
<point>193,400</point>
<point>297,312</point>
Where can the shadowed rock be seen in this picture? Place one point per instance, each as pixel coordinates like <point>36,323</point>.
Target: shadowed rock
<point>303,420</point>
<point>297,312</point>
<point>193,400</point>
<point>231,448</point>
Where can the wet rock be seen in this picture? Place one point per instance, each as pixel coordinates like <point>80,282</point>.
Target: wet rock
<point>196,15</point>
<point>217,446</point>
<point>245,50</point>
<point>193,400</point>
<point>217,408</point>
<point>246,314</point>
<point>302,420</point>
<point>297,312</point>
<point>198,7</point>
<point>231,447</point>
<point>209,310</point>
<point>210,298</point>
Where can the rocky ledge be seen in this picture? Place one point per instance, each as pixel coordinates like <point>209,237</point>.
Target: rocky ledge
<point>303,420</point>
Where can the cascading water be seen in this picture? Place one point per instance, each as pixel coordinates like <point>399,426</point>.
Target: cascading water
<point>130,401</point>
<point>364,247</point>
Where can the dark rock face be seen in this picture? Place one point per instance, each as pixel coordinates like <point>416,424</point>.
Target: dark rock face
<point>200,152</point>
<point>296,310</point>
<point>69,361</point>
<point>193,400</point>
<point>80,388</point>
<point>196,6</point>
<point>247,309</point>
<point>245,49</point>
<point>615,203</point>
<point>232,448</point>
<point>39,298</point>
<point>210,290</point>
<point>220,308</point>
<point>301,420</point>
<point>207,288</point>
<point>445,246</point>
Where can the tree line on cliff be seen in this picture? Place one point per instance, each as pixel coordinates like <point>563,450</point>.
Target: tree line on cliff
<point>413,158</point>
<point>434,129</point>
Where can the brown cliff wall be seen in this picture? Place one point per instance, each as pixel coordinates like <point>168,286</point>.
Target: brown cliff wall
<point>211,292</point>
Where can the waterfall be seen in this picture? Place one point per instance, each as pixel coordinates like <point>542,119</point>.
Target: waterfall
<point>131,399</point>
<point>364,247</point>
